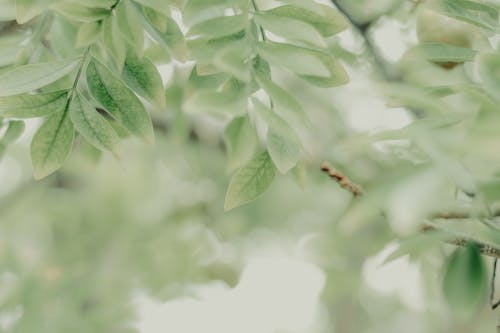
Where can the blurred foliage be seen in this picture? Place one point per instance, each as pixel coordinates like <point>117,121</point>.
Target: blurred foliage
<point>244,102</point>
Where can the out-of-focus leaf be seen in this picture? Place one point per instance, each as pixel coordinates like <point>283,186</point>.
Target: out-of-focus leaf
<point>464,283</point>
<point>440,52</point>
<point>14,131</point>
<point>28,9</point>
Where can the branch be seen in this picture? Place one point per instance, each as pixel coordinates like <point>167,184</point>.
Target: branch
<point>343,181</point>
<point>356,190</point>
<point>363,30</point>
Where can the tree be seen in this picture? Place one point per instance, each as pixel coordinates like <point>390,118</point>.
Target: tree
<point>231,101</point>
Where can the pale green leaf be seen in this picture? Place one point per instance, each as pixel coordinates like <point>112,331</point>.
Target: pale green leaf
<point>52,144</point>
<point>28,9</point>
<point>30,77</point>
<point>249,182</point>
<point>32,105</point>
<point>284,150</point>
<point>488,65</point>
<point>87,34</point>
<point>297,59</point>
<point>119,101</point>
<point>142,76</point>
<point>289,28</point>
<point>241,141</point>
<point>161,6</point>
<point>93,126</point>
<point>14,131</point>
<point>114,42</point>
<point>325,19</point>
<point>81,13</point>
<point>440,52</point>
<point>220,26</point>
<point>130,26</point>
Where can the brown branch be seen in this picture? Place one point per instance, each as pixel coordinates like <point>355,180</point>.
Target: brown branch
<point>356,190</point>
<point>343,181</point>
<point>483,248</point>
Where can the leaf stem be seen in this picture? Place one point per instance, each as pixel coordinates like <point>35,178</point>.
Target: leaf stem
<point>79,74</point>
<point>264,39</point>
<point>262,32</point>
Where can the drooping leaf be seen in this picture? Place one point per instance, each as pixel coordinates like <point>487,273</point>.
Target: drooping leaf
<point>325,19</point>
<point>142,76</point>
<point>130,26</point>
<point>290,28</point>
<point>440,52</point>
<point>52,144</point>
<point>28,9</point>
<point>113,40</point>
<point>241,141</point>
<point>33,105</point>
<point>119,101</point>
<point>249,182</point>
<point>464,282</point>
<point>220,26</point>
<point>88,33</point>
<point>93,126</point>
<point>30,77</point>
<point>14,131</point>
<point>488,65</point>
<point>77,11</point>
<point>283,150</point>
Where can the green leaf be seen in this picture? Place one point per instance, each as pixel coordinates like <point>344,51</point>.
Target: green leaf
<point>289,28</point>
<point>14,131</point>
<point>297,59</point>
<point>464,283</point>
<point>81,13</point>
<point>115,44</point>
<point>130,26</point>
<point>30,77</point>
<point>220,26</point>
<point>325,19</point>
<point>283,149</point>
<point>172,39</point>
<point>233,60</point>
<point>93,126</point>
<point>488,66</point>
<point>142,76</point>
<point>479,14</point>
<point>87,34</point>
<point>52,144</point>
<point>215,102</point>
<point>241,141</point>
<point>157,19</point>
<point>119,101</point>
<point>32,105</point>
<point>158,5</point>
<point>440,52</point>
<point>249,182</point>
<point>283,144</point>
<point>28,9</point>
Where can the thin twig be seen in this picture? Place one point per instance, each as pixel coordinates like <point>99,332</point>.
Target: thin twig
<point>343,180</point>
